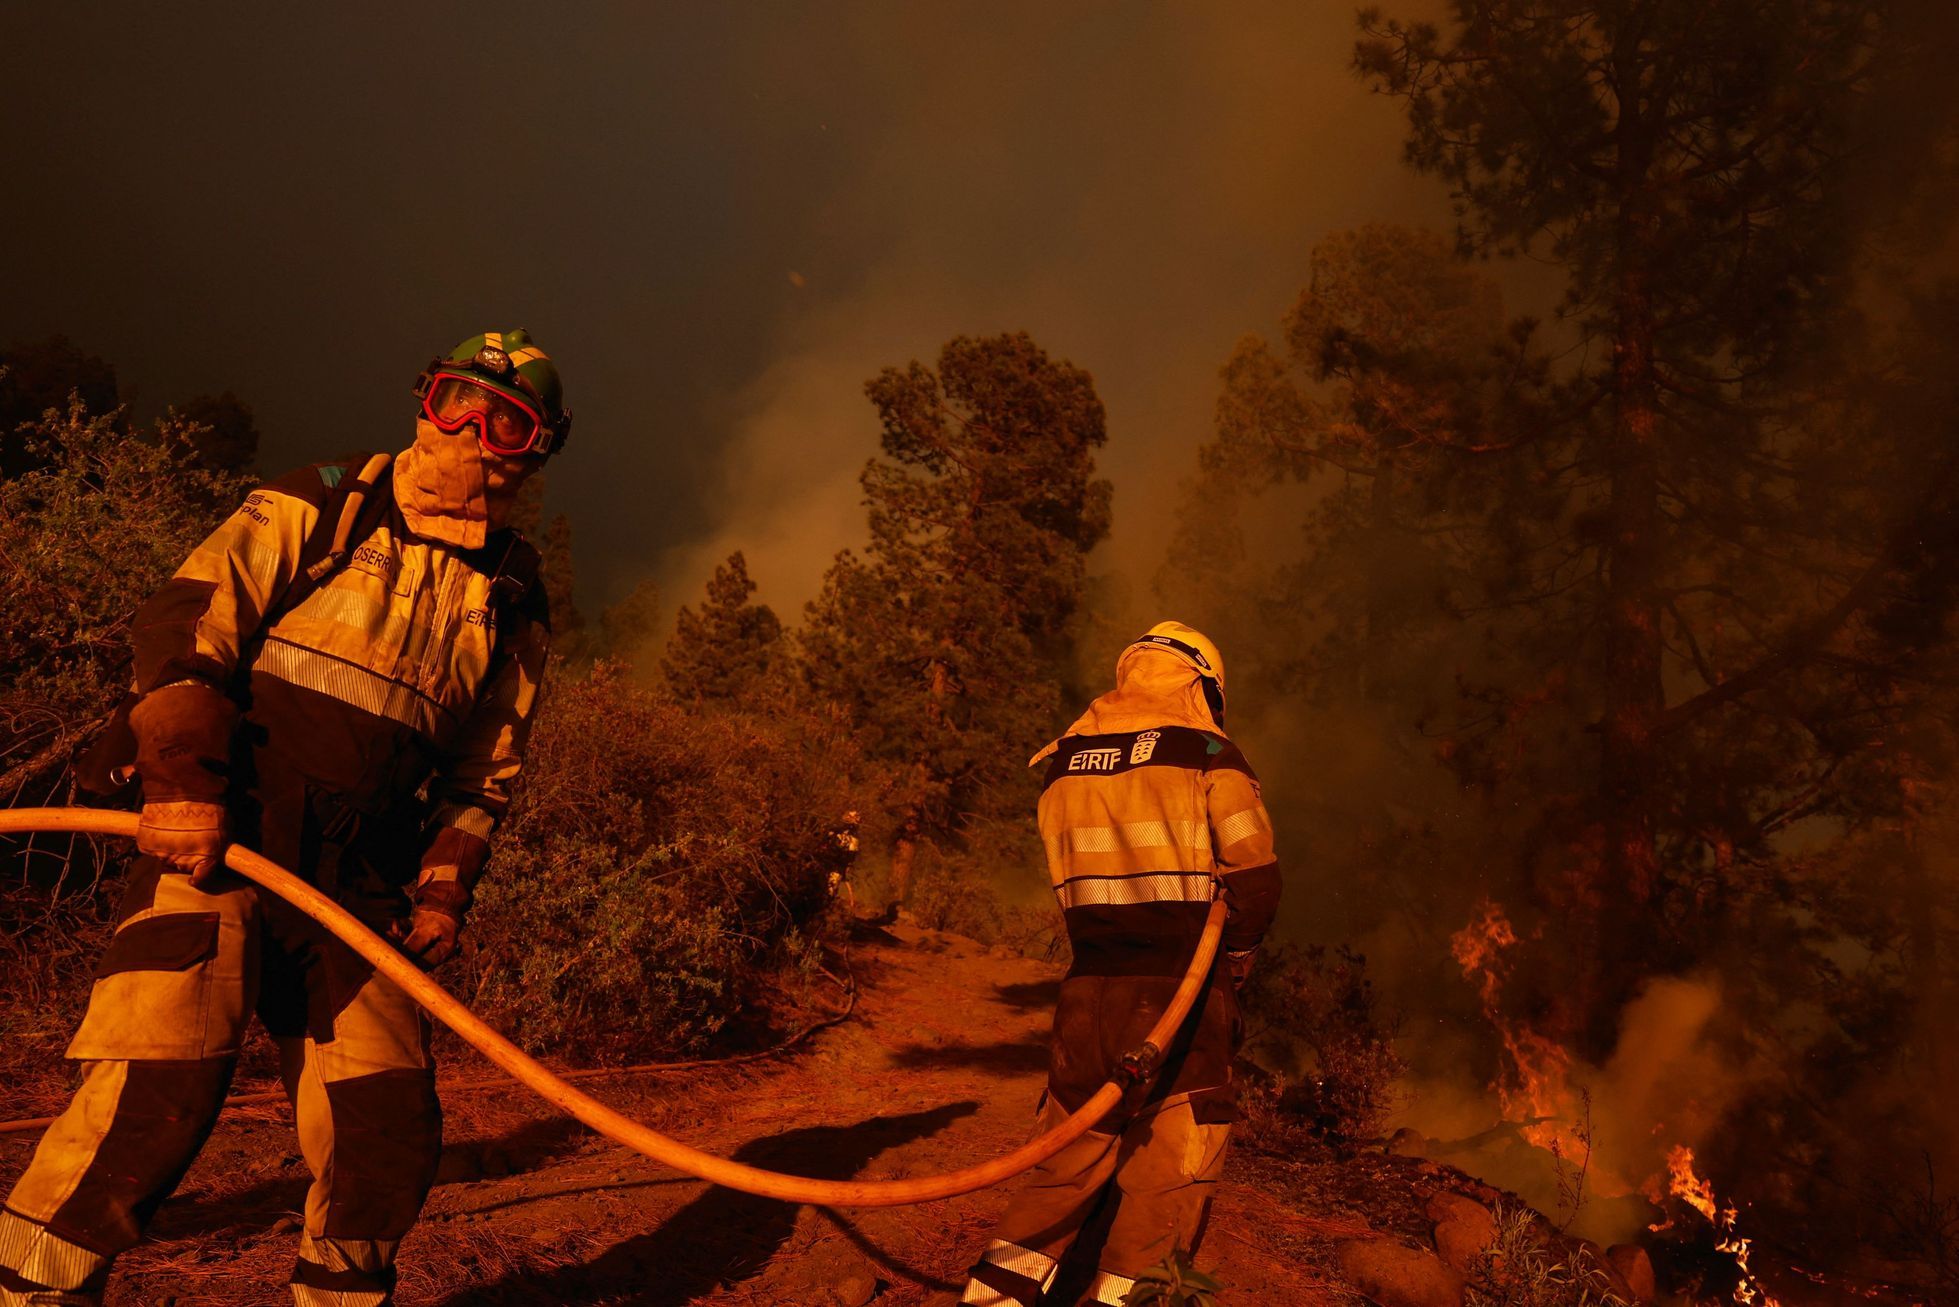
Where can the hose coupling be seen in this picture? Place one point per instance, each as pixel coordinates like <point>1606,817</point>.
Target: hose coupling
<point>1138,1064</point>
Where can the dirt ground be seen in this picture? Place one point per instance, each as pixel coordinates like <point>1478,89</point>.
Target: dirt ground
<point>940,1066</point>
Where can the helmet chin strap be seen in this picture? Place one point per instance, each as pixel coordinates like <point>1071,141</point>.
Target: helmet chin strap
<point>1213,698</point>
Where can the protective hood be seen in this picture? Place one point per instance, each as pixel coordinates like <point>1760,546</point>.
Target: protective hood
<point>1154,687</point>
<point>450,491</point>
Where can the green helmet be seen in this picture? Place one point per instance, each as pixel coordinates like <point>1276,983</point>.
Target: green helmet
<point>510,364</point>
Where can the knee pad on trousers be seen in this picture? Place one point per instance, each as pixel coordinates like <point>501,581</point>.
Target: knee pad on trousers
<point>387,1141</point>
<point>97,1188</point>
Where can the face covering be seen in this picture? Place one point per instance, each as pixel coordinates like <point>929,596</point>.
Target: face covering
<point>451,491</point>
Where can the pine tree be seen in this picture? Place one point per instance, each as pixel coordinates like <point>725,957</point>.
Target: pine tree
<point>1684,164</point>
<point>721,653</point>
<point>1395,389</point>
<point>628,628</point>
<point>948,635</point>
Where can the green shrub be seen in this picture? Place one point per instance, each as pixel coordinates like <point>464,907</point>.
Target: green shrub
<point>84,539</point>
<point>1311,1020</point>
<point>661,863</point>
<point>1174,1282</point>
<point>101,519</point>
<point>1527,1266</point>
<point>993,888</point>
<point>589,954</point>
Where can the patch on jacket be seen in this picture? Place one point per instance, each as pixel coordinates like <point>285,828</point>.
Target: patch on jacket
<point>1110,755</point>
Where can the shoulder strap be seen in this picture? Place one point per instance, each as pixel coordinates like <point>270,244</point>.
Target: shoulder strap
<point>514,581</point>
<point>351,512</point>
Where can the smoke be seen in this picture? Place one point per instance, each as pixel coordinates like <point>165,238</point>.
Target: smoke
<point>1132,193</point>
<point>1597,1155</point>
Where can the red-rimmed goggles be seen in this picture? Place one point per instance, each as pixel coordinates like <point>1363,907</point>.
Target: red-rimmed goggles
<point>506,425</point>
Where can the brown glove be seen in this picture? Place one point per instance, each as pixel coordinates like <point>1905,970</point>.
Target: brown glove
<point>190,835</point>
<point>183,742</point>
<point>433,931</point>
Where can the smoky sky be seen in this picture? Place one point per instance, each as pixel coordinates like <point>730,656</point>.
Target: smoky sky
<point>719,219</point>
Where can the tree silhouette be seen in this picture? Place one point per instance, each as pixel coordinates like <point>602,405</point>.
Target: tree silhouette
<point>722,651</point>
<point>1685,166</point>
<point>947,636</point>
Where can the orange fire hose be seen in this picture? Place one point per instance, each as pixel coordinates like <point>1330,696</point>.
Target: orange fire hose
<point>623,1129</point>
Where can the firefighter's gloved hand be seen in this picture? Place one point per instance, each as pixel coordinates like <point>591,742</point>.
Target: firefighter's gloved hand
<point>434,927</point>
<point>190,835</point>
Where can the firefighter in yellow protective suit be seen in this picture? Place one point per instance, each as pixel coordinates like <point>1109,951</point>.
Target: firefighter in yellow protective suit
<point>342,676</point>
<point>1147,811</point>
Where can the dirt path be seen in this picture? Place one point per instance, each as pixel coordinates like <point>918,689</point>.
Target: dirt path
<point>942,1066</point>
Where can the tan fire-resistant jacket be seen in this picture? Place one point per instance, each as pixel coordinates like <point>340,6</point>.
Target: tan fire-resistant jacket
<point>402,666</point>
<point>1148,810</point>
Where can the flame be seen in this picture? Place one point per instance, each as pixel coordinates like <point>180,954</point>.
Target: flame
<point>1687,1184</point>
<point>1535,1087</point>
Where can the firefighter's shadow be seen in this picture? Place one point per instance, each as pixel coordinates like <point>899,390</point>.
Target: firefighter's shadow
<point>242,1212</point>
<point>1005,1058</point>
<point>1030,995</point>
<point>722,1237</point>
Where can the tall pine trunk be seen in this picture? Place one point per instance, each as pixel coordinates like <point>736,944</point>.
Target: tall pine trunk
<point>1376,685</point>
<point>1625,875</point>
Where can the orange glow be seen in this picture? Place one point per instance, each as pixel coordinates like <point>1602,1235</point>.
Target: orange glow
<point>1687,1184</point>
<point>1534,1089</point>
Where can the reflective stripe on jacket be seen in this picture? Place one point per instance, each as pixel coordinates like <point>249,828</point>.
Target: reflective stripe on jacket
<point>1139,827</point>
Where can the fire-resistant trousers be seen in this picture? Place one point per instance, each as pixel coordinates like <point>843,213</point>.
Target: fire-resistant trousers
<point>1164,1167</point>
<point>174,991</point>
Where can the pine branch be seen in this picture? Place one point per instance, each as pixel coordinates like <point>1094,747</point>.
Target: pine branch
<point>1810,638</point>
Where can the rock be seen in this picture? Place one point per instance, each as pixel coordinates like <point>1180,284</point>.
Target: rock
<point>828,1275</point>
<point>1407,1142</point>
<point>926,1036</point>
<point>1447,1205</point>
<point>854,1290</point>
<point>1463,1229</point>
<point>1460,1244</point>
<point>1393,1275</point>
<point>1635,1268</point>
